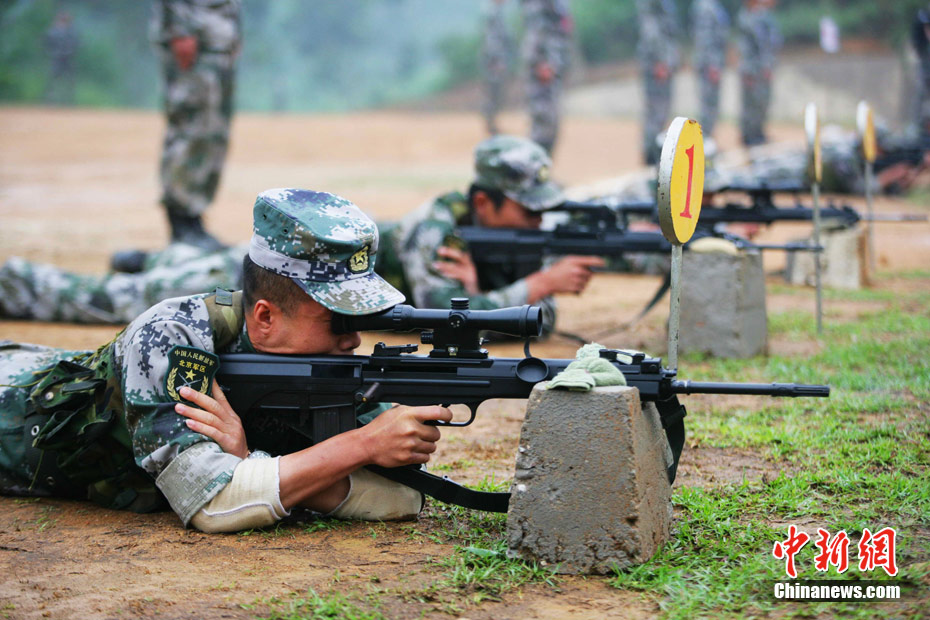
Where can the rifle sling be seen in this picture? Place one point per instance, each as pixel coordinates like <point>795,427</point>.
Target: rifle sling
<point>444,489</point>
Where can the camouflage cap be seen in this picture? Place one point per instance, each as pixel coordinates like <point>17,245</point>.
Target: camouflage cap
<point>520,169</point>
<point>325,244</point>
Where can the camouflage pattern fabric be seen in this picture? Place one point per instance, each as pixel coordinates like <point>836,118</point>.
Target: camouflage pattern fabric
<point>779,164</point>
<point>657,53</point>
<point>198,101</point>
<point>61,43</point>
<point>548,26</point>
<point>410,249</point>
<point>711,29</point>
<point>496,56</point>
<point>920,39</point>
<point>130,412</point>
<point>759,41</point>
<point>48,293</point>
<point>326,245</point>
<point>102,424</point>
<point>520,169</point>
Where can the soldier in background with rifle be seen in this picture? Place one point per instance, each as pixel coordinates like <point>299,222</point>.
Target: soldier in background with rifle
<point>424,257</point>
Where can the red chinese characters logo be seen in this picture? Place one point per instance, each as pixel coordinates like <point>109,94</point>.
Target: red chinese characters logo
<point>833,551</point>
<point>789,548</point>
<point>875,550</point>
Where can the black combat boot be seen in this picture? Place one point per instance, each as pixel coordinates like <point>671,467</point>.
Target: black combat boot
<point>189,229</point>
<point>128,261</point>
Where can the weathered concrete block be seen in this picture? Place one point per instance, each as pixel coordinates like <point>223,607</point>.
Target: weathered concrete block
<point>843,262</point>
<point>723,304</point>
<point>590,490</point>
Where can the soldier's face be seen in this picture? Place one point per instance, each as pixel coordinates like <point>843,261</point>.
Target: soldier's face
<point>511,214</point>
<point>308,331</point>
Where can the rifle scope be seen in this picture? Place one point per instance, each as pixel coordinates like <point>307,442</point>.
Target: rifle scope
<point>520,321</point>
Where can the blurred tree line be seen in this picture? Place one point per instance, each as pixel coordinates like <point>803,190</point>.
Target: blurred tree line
<point>322,56</point>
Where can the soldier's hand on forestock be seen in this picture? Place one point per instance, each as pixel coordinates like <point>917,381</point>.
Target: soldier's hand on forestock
<point>215,419</point>
<point>184,50</point>
<point>458,265</point>
<point>399,436</point>
<point>567,275</point>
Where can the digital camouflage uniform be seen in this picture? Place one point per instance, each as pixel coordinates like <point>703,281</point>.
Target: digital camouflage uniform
<point>198,101</point>
<point>48,293</point>
<point>61,43</point>
<point>711,29</point>
<point>547,39</point>
<point>920,39</point>
<point>101,425</point>
<point>496,54</point>
<point>775,164</point>
<point>759,41</point>
<point>517,167</point>
<point>656,50</point>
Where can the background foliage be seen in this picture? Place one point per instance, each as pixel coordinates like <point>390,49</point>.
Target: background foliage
<point>329,56</point>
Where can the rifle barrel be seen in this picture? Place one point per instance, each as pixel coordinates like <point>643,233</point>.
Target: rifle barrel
<point>758,389</point>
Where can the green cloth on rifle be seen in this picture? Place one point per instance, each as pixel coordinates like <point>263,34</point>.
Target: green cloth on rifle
<point>589,370</point>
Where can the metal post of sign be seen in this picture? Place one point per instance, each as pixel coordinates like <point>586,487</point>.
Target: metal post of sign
<point>674,317</point>
<point>679,191</point>
<point>815,195</point>
<point>869,172</point>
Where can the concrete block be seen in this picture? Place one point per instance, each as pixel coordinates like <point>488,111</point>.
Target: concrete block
<point>590,491</point>
<point>723,304</point>
<point>843,262</point>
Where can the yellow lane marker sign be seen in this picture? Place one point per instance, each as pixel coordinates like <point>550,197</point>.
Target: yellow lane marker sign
<point>812,129</point>
<point>865,123</point>
<point>681,180</point>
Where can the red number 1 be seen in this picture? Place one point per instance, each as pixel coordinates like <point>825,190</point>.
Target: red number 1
<point>690,153</point>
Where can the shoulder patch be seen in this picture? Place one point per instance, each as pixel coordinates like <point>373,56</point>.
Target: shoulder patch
<point>190,367</point>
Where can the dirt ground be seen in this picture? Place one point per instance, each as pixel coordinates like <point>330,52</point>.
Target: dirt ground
<point>77,185</point>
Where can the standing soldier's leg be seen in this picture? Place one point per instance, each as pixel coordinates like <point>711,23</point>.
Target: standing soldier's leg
<point>494,99</point>
<point>656,112</point>
<point>198,105</point>
<point>710,105</point>
<point>544,112</point>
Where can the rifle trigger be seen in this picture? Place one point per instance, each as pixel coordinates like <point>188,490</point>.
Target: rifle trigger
<point>372,393</point>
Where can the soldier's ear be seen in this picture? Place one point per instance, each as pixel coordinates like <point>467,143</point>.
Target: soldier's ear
<point>264,317</point>
<point>483,207</point>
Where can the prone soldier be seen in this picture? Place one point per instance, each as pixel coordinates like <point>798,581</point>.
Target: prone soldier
<point>423,257</point>
<point>105,425</point>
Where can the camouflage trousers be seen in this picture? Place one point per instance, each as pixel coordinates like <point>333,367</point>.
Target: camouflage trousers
<point>48,293</point>
<point>656,110</point>
<point>756,97</point>
<point>495,89</point>
<point>198,106</point>
<point>710,103</point>
<point>543,102</point>
<point>20,365</point>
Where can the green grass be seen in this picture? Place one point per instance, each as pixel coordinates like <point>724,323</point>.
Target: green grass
<point>313,605</point>
<point>861,459</point>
